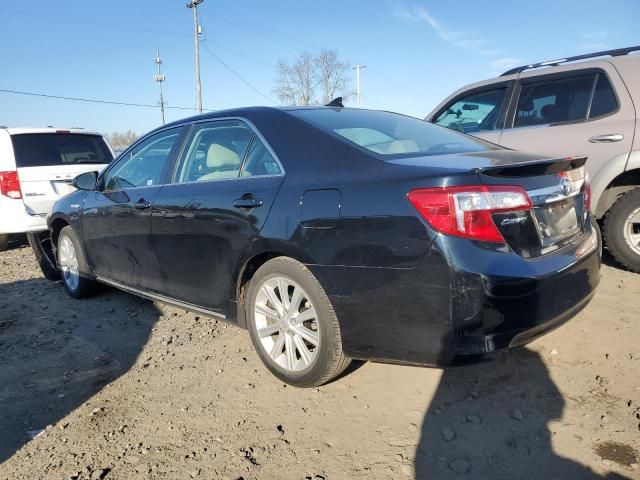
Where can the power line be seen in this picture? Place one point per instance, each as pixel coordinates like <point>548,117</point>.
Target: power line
<point>240,77</point>
<point>95,100</point>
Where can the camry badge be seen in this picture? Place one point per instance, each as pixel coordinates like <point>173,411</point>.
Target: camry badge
<point>566,186</point>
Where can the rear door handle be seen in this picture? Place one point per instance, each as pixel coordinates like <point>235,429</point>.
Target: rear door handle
<point>607,138</point>
<point>142,204</point>
<point>247,202</point>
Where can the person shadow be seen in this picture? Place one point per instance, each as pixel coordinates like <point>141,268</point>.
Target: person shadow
<point>493,419</point>
<point>56,352</point>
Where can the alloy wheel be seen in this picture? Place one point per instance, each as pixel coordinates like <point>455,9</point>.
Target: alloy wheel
<point>68,260</point>
<point>632,231</point>
<point>286,323</point>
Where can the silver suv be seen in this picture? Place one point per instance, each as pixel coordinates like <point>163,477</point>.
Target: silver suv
<point>583,105</point>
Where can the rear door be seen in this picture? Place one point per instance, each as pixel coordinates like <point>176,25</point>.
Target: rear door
<point>573,112</point>
<point>48,162</point>
<point>479,112</point>
<point>225,182</point>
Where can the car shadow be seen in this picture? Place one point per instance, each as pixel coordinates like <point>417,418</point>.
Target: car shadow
<point>53,359</point>
<point>495,419</point>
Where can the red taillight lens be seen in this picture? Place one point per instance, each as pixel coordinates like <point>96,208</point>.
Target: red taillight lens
<point>466,211</point>
<point>10,185</point>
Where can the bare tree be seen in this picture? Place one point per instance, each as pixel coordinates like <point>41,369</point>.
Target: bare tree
<point>121,139</point>
<point>333,75</point>
<point>297,83</point>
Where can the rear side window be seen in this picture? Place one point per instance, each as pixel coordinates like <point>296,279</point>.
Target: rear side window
<point>474,113</point>
<point>604,100</point>
<point>49,149</point>
<point>390,134</point>
<point>564,100</point>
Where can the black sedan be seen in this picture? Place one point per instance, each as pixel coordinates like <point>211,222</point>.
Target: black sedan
<point>333,233</point>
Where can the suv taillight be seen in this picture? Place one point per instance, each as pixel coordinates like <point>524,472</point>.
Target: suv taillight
<point>466,211</point>
<point>10,185</point>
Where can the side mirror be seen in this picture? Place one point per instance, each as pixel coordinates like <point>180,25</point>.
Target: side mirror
<point>86,181</point>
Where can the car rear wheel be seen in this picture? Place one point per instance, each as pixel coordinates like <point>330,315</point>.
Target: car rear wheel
<point>4,242</point>
<point>75,273</point>
<point>622,230</point>
<point>292,324</point>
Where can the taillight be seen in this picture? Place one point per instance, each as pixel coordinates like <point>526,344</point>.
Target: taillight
<point>466,211</point>
<point>10,185</point>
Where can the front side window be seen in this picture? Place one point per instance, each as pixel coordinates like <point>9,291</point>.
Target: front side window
<point>474,113</point>
<point>143,165</point>
<point>215,151</point>
<point>553,101</point>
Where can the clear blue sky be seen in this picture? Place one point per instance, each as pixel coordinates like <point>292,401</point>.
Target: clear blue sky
<point>417,52</point>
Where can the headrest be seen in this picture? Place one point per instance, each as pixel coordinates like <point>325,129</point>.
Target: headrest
<point>525,105</point>
<point>550,113</point>
<point>219,156</point>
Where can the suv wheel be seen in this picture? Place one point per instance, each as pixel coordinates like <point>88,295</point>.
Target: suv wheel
<point>622,230</point>
<point>292,324</point>
<point>73,267</point>
<point>4,242</point>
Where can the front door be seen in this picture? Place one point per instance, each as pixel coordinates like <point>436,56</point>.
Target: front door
<point>116,219</point>
<point>225,183</point>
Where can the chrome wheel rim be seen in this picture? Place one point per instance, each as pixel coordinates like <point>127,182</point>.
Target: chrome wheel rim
<point>286,323</point>
<point>632,230</point>
<point>68,261</point>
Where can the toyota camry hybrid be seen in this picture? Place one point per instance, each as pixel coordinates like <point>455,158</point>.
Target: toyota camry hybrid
<point>334,234</point>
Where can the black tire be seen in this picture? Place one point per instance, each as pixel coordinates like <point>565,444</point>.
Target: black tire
<point>41,246</point>
<point>330,361</point>
<point>86,285</point>
<point>4,242</point>
<point>615,223</point>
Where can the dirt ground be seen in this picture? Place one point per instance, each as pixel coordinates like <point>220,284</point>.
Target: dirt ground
<point>118,387</point>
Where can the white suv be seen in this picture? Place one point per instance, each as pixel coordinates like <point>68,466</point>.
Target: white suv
<point>37,166</point>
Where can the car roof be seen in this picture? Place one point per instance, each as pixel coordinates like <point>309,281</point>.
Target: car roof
<point>23,130</point>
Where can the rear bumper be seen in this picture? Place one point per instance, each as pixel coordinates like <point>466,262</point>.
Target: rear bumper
<point>15,219</point>
<point>460,300</point>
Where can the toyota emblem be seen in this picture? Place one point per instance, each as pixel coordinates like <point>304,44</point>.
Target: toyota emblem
<point>566,186</point>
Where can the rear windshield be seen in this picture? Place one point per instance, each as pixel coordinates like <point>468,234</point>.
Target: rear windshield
<point>391,134</point>
<point>48,149</point>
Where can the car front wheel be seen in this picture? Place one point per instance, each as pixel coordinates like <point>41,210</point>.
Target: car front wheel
<point>292,324</point>
<point>622,230</point>
<point>73,267</point>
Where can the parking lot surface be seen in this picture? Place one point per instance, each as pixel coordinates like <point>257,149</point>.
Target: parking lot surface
<point>118,387</point>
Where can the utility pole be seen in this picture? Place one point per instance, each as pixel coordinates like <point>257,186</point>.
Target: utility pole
<point>160,79</point>
<point>357,69</point>
<point>193,5</point>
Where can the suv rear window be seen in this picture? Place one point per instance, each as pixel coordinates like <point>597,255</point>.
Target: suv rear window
<point>391,134</point>
<point>49,149</point>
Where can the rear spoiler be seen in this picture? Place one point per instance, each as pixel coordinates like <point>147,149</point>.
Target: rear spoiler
<point>546,166</point>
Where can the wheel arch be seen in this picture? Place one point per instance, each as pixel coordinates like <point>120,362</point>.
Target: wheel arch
<point>618,186</point>
<point>255,256</point>
<point>55,227</point>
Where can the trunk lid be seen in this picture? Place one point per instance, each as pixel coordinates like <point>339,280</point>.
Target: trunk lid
<point>557,188</point>
<point>47,163</point>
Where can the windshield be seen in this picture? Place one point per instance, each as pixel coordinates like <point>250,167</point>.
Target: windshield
<point>391,134</point>
<point>50,149</point>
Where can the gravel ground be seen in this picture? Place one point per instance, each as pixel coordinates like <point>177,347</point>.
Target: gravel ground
<point>118,387</point>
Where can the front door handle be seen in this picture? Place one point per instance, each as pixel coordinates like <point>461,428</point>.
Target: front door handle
<point>142,204</point>
<point>247,202</point>
<point>607,138</point>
